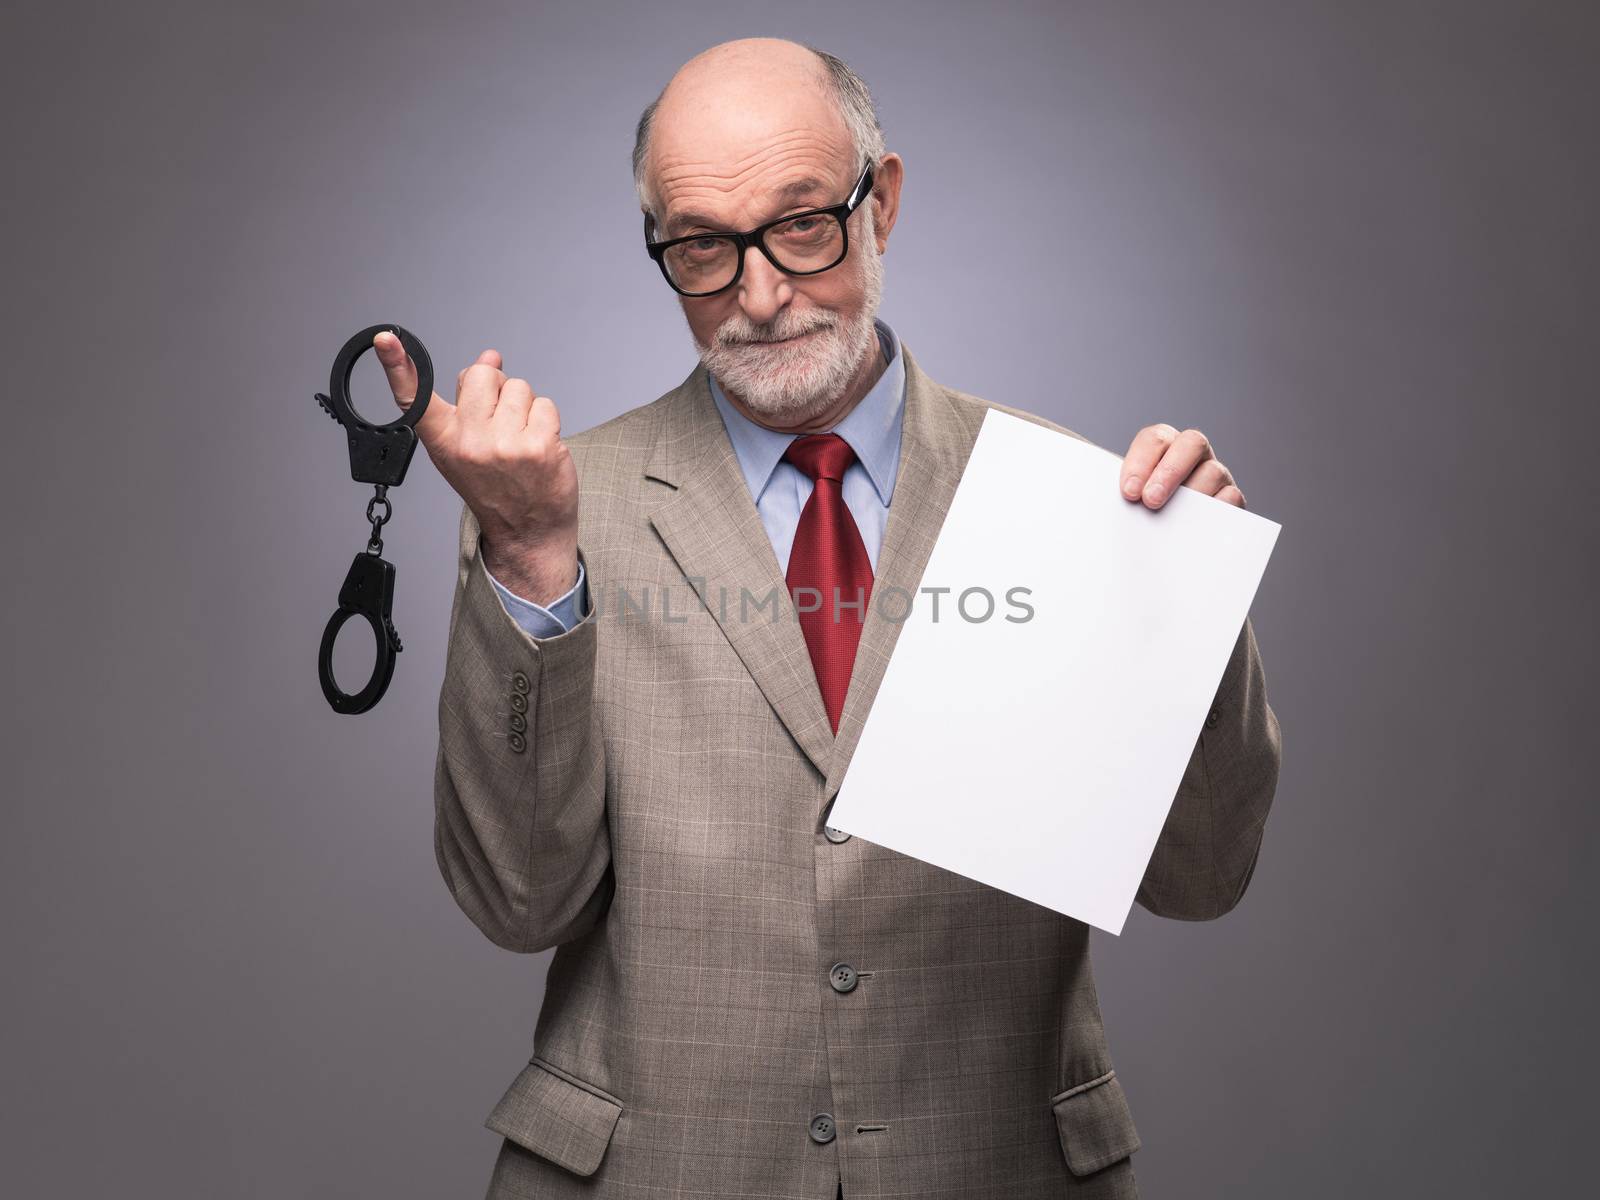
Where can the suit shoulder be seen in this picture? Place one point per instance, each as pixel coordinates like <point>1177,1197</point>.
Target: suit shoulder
<point>611,459</point>
<point>632,428</point>
<point>975,406</point>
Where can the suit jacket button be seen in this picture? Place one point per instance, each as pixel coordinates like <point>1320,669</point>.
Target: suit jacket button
<point>519,702</point>
<point>822,1128</point>
<point>518,742</point>
<point>1212,718</point>
<point>519,722</point>
<point>520,682</point>
<point>828,831</point>
<point>843,977</point>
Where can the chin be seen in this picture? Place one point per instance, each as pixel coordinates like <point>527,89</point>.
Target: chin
<point>793,381</point>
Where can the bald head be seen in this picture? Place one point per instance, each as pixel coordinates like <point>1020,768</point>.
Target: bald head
<point>739,101</point>
<point>752,56</point>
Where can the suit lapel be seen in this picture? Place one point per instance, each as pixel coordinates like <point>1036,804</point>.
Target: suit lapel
<point>713,531</point>
<point>710,525</point>
<point>935,442</point>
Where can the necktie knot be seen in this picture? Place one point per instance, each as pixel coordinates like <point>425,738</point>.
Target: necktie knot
<point>821,455</point>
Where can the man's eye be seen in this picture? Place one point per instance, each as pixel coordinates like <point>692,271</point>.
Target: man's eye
<point>803,230</point>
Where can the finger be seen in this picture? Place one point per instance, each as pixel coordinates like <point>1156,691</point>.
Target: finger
<point>1209,477</point>
<point>543,418</point>
<point>479,392</point>
<point>1189,449</point>
<point>488,358</point>
<point>398,368</point>
<point>1232,495</point>
<point>1149,444</point>
<point>516,397</point>
<point>401,373</point>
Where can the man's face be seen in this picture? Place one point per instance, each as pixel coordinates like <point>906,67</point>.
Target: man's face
<point>786,345</point>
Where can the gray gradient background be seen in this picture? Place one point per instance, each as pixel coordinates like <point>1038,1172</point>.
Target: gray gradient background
<point>1354,243</point>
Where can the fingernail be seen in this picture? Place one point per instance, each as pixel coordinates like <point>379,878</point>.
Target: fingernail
<point>1131,488</point>
<point>1157,493</point>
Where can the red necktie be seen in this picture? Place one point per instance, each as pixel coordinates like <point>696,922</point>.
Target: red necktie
<point>830,560</point>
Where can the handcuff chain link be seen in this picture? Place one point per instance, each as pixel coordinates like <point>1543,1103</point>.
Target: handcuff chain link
<point>375,542</point>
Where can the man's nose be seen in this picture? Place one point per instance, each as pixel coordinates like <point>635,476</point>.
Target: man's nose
<point>763,289</point>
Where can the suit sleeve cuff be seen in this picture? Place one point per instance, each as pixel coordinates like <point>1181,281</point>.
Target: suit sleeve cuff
<point>537,620</point>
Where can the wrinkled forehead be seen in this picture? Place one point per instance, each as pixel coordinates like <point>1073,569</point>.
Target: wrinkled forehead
<point>745,203</point>
<point>735,160</point>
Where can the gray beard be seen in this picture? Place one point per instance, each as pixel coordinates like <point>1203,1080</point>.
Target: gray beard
<point>791,382</point>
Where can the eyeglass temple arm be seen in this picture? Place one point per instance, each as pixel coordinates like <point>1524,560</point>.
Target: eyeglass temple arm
<point>863,189</point>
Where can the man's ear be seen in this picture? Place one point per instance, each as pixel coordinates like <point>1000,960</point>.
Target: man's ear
<point>886,180</point>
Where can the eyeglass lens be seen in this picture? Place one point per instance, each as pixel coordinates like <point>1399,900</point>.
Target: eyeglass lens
<point>705,264</point>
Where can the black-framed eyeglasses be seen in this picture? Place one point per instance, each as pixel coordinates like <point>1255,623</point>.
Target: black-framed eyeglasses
<point>802,243</point>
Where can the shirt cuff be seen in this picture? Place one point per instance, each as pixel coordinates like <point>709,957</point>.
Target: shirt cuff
<point>537,620</point>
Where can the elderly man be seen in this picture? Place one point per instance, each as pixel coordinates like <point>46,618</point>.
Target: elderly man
<point>642,728</point>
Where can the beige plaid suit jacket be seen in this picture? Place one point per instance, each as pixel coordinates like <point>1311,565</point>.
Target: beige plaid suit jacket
<point>647,793</point>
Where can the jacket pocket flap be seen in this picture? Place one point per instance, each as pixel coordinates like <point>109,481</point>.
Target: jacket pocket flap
<point>1095,1125</point>
<point>557,1116</point>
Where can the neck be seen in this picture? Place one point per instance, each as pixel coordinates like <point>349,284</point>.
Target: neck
<point>873,365</point>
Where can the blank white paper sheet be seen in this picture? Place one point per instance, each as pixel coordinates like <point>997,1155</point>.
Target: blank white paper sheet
<point>1041,754</point>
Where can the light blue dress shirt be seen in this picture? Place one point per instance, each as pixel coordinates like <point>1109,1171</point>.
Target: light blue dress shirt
<point>780,489</point>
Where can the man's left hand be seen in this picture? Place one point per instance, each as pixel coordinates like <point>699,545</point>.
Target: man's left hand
<point>1162,459</point>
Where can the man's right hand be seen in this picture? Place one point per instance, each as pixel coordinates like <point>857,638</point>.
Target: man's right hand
<point>499,446</point>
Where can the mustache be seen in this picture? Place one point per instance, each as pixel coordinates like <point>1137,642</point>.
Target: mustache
<point>742,333</point>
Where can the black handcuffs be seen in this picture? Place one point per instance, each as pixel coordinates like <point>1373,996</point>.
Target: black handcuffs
<point>379,455</point>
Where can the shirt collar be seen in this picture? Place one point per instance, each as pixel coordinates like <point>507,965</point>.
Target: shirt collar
<point>872,427</point>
